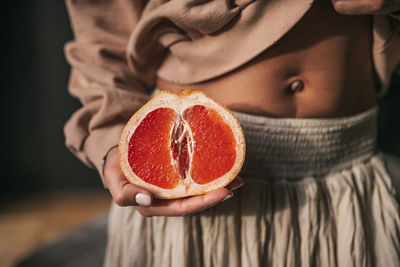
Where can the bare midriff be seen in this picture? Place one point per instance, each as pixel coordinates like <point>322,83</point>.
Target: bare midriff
<point>321,68</point>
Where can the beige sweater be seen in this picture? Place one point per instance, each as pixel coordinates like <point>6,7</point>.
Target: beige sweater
<point>121,46</point>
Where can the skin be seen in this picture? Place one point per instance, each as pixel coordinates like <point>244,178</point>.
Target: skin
<point>123,193</point>
<point>361,7</point>
<point>331,59</point>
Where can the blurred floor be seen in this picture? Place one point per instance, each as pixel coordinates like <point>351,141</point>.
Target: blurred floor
<point>29,223</point>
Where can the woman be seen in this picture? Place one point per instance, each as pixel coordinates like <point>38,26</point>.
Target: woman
<point>302,78</point>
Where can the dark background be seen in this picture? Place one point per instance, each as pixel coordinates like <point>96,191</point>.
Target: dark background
<point>35,104</point>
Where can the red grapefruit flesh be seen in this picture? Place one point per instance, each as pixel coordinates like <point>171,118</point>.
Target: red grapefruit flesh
<point>149,149</point>
<point>181,143</point>
<point>213,140</point>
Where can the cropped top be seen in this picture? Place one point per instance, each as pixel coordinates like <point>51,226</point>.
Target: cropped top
<point>121,46</point>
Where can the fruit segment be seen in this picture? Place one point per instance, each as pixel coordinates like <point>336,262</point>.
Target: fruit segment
<point>149,149</point>
<point>166,146</point>
<point>214,151</point>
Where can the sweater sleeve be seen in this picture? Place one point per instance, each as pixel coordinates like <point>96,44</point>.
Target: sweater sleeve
<point>396,24</point>
<point>109,91</point>
<point>386,49</point>
<point>396,17</point>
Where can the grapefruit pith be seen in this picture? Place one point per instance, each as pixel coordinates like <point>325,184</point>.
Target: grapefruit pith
<point>181,143</point>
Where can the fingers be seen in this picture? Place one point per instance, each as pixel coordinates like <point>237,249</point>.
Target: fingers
<point>126,194</point>
<point>189,205</point>
<point>364,7</point>
<point>185,206</point>
<point>131,195</point>
<point>123,192</point>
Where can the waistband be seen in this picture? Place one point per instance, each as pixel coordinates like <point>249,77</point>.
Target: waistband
<point>296,148</point>
<point>292,149</point>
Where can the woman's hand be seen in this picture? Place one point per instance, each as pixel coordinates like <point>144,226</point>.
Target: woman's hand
<point>366,7</point>
<point>127,194</point>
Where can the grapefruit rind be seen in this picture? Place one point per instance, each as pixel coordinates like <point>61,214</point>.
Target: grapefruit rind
<point>179,100</point>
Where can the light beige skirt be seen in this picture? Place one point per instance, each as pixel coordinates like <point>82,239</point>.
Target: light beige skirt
<point>316,194</point>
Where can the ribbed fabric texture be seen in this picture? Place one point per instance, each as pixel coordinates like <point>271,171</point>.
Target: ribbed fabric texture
<point>292,149</point>
<point>316,194</point>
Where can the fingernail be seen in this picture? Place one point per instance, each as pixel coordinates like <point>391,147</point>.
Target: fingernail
<point>227,197</point>
<point>143,200</point>
<point>238,185</point>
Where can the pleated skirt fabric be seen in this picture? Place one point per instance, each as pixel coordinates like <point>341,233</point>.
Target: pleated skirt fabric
<point>316,193</point>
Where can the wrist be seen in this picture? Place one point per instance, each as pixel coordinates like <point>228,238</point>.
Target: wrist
<point>113,150</point>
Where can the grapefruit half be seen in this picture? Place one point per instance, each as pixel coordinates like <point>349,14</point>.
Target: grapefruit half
<point>181,143</point>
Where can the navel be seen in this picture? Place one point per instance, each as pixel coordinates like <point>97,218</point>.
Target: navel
<point>296,86</point>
